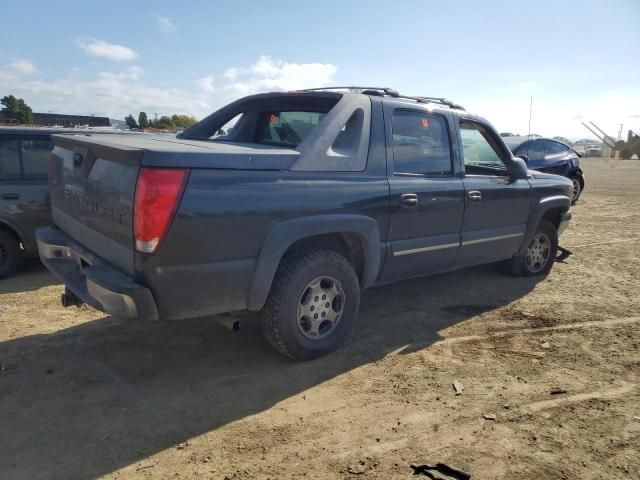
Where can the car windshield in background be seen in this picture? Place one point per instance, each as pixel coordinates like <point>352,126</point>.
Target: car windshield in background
<point>285,128</point>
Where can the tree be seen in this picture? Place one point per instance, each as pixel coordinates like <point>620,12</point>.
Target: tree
<point>164,123</point>
<point>183,121</point>
<point>143,120</point>
<point>131,122</point>
<point>17,109</point>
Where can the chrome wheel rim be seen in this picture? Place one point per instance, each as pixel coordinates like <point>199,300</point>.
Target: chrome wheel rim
<point>538,252</point>
<point>576,189</point>
<point>320,307</point>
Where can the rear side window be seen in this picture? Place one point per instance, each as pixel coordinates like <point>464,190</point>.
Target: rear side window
<point>554,148</point>
<point>35,155</point>
<point>420,143</point>
<point>9,160</point>
<point>287,129</point>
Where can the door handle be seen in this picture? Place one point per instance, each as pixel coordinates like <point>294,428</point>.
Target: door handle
<point>10,196</point>
<point>409,199</point>
<point>474,196</point>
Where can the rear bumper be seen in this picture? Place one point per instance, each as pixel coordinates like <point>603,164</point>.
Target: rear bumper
<point>92,279</point>
<point>565,218</point>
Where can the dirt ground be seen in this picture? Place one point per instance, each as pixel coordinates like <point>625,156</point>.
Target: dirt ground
<point>84,395</point>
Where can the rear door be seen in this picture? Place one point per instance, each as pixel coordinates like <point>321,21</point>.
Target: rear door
<point>34,194</point>
<point>427,198</point>
<point>497,206</point>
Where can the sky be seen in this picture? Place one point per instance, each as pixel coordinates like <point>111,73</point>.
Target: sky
<point>579,60</point>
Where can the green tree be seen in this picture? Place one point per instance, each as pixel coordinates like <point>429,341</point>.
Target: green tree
<point>17,108</point>
<point>164,123</point>
<point>183,121</point>
<point>143,120</point>
<point>131,122</point>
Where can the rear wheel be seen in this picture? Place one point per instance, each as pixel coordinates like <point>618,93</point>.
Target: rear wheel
<point>539,255</point>
<point>312,304</point>
<point>10,254</point>
<point>577,187</point>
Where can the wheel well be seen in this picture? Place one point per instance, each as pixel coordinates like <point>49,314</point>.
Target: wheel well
<point>347,244</point>
<point>6,228</point>
<point>553,215</point>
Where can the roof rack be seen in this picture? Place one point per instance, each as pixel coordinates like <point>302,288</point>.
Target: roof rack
<point>382,91</point>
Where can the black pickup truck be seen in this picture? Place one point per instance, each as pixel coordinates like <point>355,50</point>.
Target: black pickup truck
<point>291,204</point>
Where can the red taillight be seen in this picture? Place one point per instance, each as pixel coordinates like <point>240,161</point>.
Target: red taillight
<point>157,194</point>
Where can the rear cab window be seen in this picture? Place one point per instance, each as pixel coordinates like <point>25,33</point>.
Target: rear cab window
<point>285,128</point>
<point>421,143</point>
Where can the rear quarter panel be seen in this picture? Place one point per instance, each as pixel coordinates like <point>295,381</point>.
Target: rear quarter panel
<point>209,256</point>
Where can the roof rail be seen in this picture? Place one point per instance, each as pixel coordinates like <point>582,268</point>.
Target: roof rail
<point>382,91</point>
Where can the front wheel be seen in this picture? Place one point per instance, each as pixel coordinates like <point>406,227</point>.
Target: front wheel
<point>312,304</point>
<point>540,254</point>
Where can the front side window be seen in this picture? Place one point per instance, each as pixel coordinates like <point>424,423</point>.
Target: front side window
<point>287,129</point>
<point>480,152</point>
<point>9,160</point>
<point>35,155</point>
<point>420,143</point>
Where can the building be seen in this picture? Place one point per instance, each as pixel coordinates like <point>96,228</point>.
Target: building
<point>60,120</point>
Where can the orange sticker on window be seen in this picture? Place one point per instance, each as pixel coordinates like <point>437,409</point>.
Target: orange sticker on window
<point>425,122</point>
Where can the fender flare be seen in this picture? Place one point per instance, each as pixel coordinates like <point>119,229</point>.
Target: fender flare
<point>543,206</point>
<point>284,234</point>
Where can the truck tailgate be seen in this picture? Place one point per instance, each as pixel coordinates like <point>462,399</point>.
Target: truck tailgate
<point>92,186</point>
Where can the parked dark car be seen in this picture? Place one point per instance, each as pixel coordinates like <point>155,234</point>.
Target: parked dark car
<point>24,203</point>
<point>24,198</point>
<point>310,198</point>
<point>550,156</point>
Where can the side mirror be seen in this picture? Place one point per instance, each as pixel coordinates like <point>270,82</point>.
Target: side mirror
<point>524,157</point>
<point>518,169</point>
<point>580,155</point>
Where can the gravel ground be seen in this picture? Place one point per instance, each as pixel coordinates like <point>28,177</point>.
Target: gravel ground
<point>557,361</point>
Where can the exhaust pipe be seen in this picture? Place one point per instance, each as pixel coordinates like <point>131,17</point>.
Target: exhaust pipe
<point>230,323</point>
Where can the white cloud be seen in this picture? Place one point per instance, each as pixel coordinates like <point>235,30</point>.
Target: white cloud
<point>110,51</point>
<point>165,24</point>
<point>562,117</point>
<point>17,68</point>
<point>206,83</point>
<point>128,90</point>
<point>269,74</point>
<point>231,73</point>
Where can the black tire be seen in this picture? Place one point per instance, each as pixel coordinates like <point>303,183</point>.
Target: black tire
<point>10,254</point>
<point>523,266</point>
<point>281,325</point>
<point>578,186</point>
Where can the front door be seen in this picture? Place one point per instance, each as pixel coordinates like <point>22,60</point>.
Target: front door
<point>497,206</point>
<point>427,198</point>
